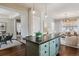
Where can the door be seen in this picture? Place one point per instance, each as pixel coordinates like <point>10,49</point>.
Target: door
<point>44,49</point>
<point>57,45</point>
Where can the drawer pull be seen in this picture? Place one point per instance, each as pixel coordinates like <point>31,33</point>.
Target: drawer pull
<point>45,45</point>
<point>53,41</point>
<point>56,45</point>
<point>45,52</point>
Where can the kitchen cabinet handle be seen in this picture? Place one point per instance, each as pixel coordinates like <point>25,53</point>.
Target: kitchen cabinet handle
<point>45,52</point>
<point>56,45</point>
<point>45,45</point>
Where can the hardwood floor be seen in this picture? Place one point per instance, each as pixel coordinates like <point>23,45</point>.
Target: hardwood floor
<point>20,51</point>
<point>14,51</point>
<point>68,51</point>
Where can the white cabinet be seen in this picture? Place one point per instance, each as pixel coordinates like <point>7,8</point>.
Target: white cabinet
<point>62,41</point>
<point>44,49</point>
<point>71,41</point>
<point>50,48</point>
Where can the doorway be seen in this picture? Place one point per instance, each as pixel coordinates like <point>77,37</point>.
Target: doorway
<point>18,28</point>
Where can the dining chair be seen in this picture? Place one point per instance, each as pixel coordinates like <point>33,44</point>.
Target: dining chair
<point>8,38</point>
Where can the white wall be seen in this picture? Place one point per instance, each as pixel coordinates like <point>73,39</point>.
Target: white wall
<point>24,17</point>
<point>24,24</point>
<point>58,26</point>
<point>36,22</point>
<point>10,26</point>
<point>13,30</point>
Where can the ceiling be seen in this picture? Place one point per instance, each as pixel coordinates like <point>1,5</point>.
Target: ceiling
<point>56,10</point>
<point>6,13</point>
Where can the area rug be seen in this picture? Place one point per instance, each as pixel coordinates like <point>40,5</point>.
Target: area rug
<point>9,44</point>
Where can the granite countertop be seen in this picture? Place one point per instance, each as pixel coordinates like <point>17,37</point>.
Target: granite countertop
<point>41,40</point>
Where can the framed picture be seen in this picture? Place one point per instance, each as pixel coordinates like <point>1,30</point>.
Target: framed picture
<point>2,26</point>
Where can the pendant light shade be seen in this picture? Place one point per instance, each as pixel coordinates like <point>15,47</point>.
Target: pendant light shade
<point>46,16</point>
<point>33,9</point>
<point>46,11</point>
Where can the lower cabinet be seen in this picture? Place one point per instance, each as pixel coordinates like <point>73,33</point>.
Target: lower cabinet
<point>50,48</point>
<point>57,45</point>
<point>44,49</point>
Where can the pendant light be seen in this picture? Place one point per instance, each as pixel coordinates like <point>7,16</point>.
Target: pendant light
<point>33,9</point>
<point>66,17</point>
<point>46,11</point>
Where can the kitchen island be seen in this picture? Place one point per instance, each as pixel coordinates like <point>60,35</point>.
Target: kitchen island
<point>42,46</point>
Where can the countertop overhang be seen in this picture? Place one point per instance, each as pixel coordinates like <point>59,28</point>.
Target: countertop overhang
<point>41,40</point>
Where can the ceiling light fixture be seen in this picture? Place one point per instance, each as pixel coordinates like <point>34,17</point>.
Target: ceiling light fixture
<point>66,17</point>
<point>33,12</point>
<point>33,9</point>
<point>46,16</point>
<point>46,11</point>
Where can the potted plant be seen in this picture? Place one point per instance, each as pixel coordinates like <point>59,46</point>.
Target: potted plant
<point>38,35</point>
